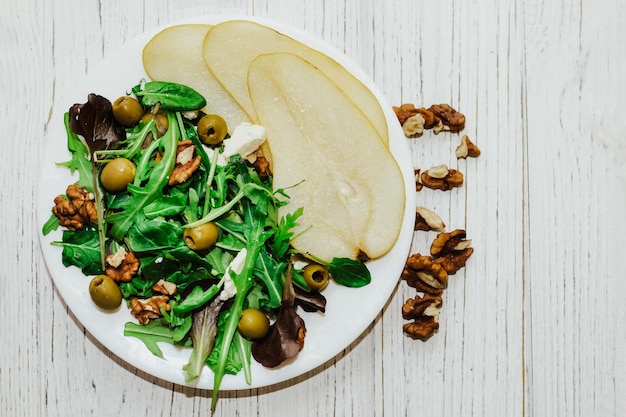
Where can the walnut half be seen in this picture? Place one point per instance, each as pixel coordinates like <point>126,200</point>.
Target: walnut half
<point>122,266</point>
<point>424,311</point>
<point>76,209</point>
<point>186,163</point>
<point>421,273</point>
<point>438,178</point>
<point>451,250</point>
<point>146,310</point>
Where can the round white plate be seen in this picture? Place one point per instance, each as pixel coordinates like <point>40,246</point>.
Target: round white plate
<point>349,310</point>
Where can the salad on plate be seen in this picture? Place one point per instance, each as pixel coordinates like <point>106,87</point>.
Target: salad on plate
<point>180,219</point>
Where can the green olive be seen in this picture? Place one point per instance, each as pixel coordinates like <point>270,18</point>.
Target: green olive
<point>161,121</point>
<point>127,111</point>
<point>253,324</point>
<point>212,129</point>
<point>201,237</point>
<point>316,276</point>
<point>105,292</point>
<point>117,174</point>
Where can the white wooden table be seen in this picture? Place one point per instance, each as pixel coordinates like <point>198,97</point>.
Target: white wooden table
<point>533,326</point>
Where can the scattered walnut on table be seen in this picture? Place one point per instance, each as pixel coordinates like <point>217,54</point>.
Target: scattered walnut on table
<point>405,111</point>
<point>442,178</point>
<point>413,127</point>
<point>451,250</point>
<point>421,273</point>
<point>186,162</point>
<point>424,311</point>
<point>418,181</point>
<point>122,266</point>
<point>429,276</point>
<point>438,117</point>
<point>76,209</point>
<point>426,220</point>
<point>467,149</point>
<point>450,119</point>
<point>146,310</point>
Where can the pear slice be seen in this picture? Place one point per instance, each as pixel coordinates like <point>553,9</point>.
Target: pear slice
<point>326,149</point>
<point>175,54</point>
<point>230,47</point>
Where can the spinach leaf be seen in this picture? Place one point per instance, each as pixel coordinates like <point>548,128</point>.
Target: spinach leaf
<point>349,273</point>
<point>154,234</point>
<point>81,248</point>
<point>167,205</point>
<point>169,95</point>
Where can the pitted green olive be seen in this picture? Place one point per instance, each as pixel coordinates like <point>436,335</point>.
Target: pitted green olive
<point>253,324</point>
<point>201,237</point>
<point>212,129</point>
<point>127,111</point>
<point>316,276</point>
<point>117,174</point>
<point>105,292</point>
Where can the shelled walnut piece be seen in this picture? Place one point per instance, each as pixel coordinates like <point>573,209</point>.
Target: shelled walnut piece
<point>441,178</point>
<point>426,220</point>
<point>451,250</point>
<point>146,310</point>
<point>76,209</point>
<point>423,274</point>
<point>186,162</point>
<point>424,311</point>
<point>467,149</point>
<point>121,266</point>
<point>439,117</point>
<point>429,275</point>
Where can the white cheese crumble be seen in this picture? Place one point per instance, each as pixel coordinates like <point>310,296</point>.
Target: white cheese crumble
<point>246,138</point>
<point>221,161</point>
<point>236,265</point>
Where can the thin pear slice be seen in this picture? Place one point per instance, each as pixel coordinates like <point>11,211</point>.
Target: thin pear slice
<point>175,54</point>
<point>348,183</point>
<point>230,47</point>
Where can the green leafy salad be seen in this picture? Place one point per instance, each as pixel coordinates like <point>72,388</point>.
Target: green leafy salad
<point>166,219</point>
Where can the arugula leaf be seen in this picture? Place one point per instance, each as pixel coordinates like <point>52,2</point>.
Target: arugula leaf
<point>142,195</point>
<point>80,157</point>
<point>270,271</point>
<point>283,234</point>
<point>51,224</point>
<point>224,361</point>
<point>196,298</point>
<point>254,208</point>
<point>151,333</point>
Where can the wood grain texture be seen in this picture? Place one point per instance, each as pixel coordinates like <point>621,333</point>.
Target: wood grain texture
<point>532,327</point>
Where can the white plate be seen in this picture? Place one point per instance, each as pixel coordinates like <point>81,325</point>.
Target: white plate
<point>349,310</point>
